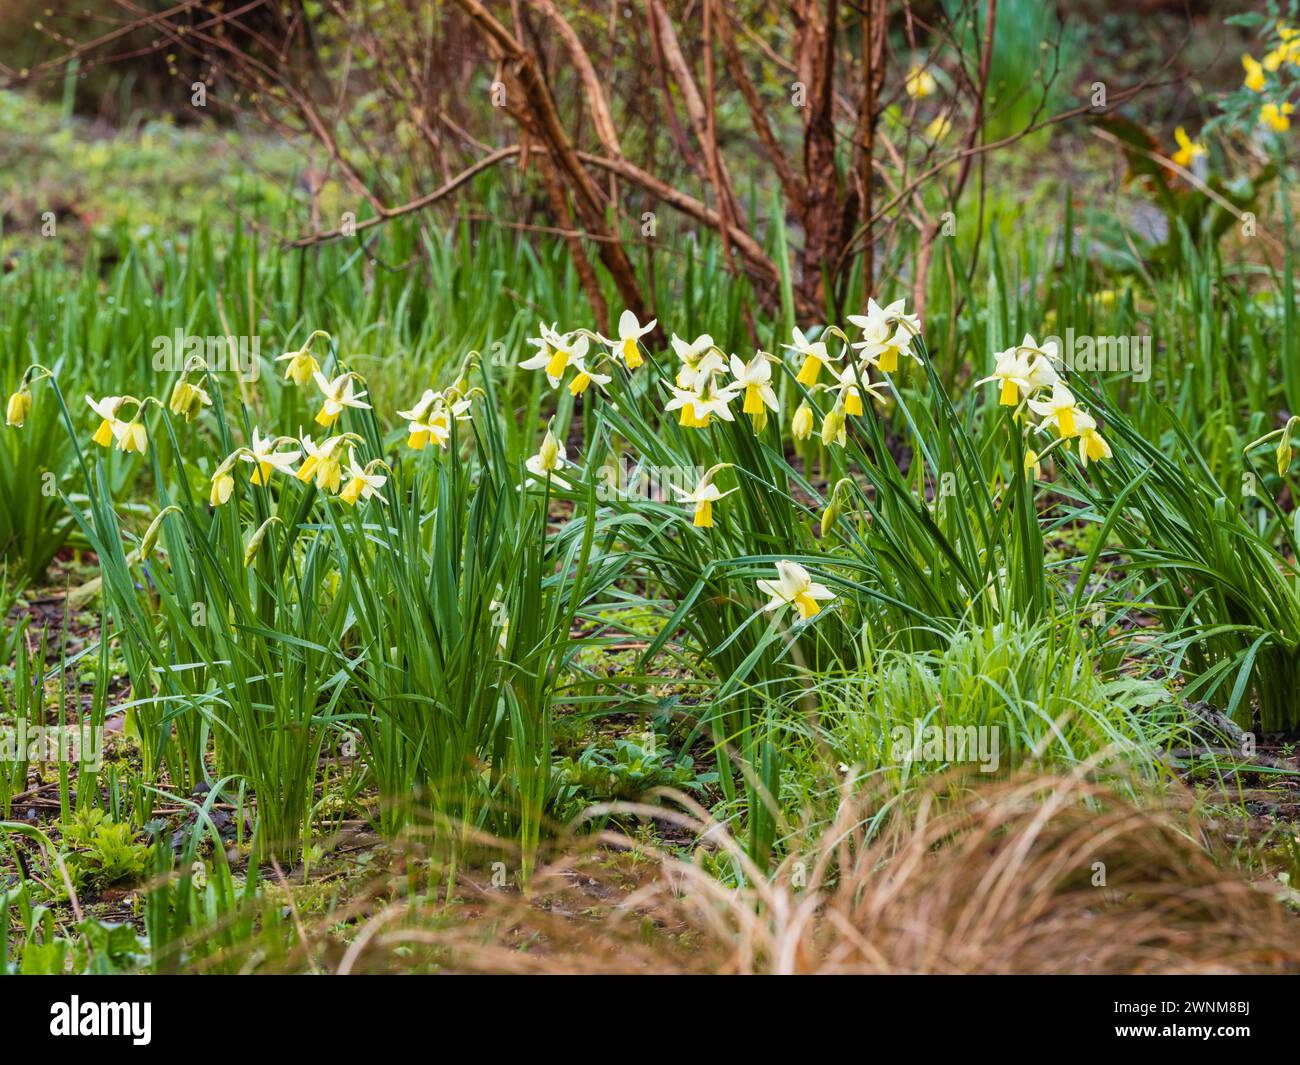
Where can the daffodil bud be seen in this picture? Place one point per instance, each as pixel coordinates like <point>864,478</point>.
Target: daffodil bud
<point>831,515</point>
<point>222,485</point>
<point>150,539</point>
<point>1032,464</point>
<point>834,508</point>
<point>802,424</point>
<point>549,451</point>
<point>1284,448</point>
<point>255,541</point>
<point>18,407</point>
<point>833,431</point>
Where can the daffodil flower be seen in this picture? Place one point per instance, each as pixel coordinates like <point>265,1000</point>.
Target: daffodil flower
<point>431,417</point>
<point>555,352</point>
<point>188,400</point>
<point>131,436</point>
<point>18,407</point>
<point>338,394</point>
<point>1023,371</point>
<point>1277,118</point>
<point>703,496</point>
<point>794,587</point>
<point>886,333</point>
<point>542,342</point>
<point>363,482</point>
<point>302,364</point>
<point>630,332</point>
<point>754,378</point>
<point>1060,411</point>
<point>1255,80</point>
<point>418,429</point>
<point>698,407</point>
<point>263,455</point>
<point>585,374</point>
<point>920,83</point>
<point>698,358</point>
<point>850,383</point>
<point>444,412</point>
<point>1091,444</point>
<point>322,463</point>
<point>815,356</point>
<point>107,409</point>
<point>1187,149</point>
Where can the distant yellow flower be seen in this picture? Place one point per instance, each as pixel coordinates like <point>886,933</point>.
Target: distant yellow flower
<point>18,407</point>
<point>1286,52</point>
<point>1277,118</point>
<point>940,126</point>
<point>1187,149</point>
<point>1255,80</point>
<point>920,83</point>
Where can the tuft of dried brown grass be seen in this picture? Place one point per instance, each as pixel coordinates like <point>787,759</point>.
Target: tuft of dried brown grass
<point>1033,875</point>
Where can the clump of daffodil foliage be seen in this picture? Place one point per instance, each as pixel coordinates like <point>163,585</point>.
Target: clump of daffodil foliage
<point>455,582</point>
